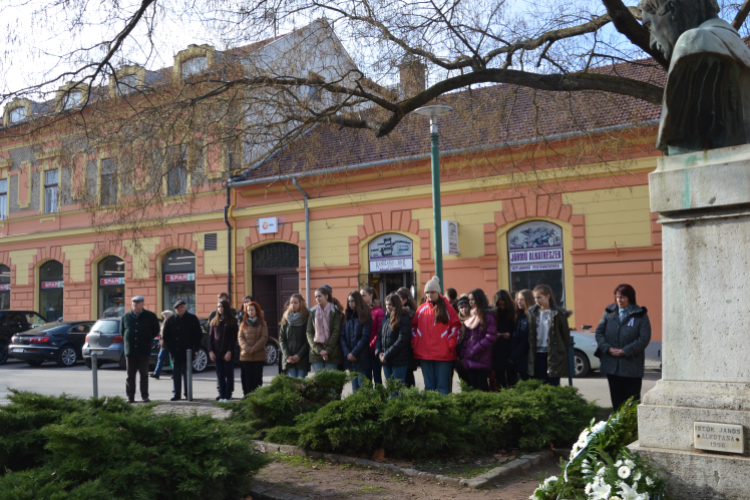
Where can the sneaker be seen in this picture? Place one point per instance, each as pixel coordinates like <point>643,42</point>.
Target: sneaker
<point>175,398</point>
<point>131,401</point>
<point>146,400</point>
<point>218,398</point>
<point>222,401</point>
<point>154,376</point>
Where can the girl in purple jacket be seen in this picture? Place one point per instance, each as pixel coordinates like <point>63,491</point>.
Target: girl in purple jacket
<point>481,333</point>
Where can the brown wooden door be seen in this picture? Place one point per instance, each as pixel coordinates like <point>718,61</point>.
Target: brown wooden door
<point>272,288</point>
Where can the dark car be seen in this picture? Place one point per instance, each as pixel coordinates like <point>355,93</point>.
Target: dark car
<point>12,322</point>
<point>60,341</point>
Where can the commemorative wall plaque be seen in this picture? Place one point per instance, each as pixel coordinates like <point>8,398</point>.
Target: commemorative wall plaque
<point>727,438</point>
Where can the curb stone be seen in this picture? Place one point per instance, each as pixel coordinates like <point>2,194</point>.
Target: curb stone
<point>477,482</point>
<point>262,492</point>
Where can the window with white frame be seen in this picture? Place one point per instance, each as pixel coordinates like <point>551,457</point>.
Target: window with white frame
<point>3,199</point>
<point>71,99</point>
<point>108,186</point>
<point>127,83</point>
<point>177,170</point>
<point>17,114</point>
<point>50,191</point>
<point>193,66</point>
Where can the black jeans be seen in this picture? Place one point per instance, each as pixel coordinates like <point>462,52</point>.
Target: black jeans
<point>377,370</point>
<point>540,369</point>
<point>138,364</point>
<point>623,388</point>
<point>252,376</point>
<point>478,379</point>
<point>179,374</point>
<point>506,378</point>
<point>225,376</point>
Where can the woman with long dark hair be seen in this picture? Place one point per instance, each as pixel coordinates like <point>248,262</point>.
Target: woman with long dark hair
<point>394,342</point>
<point>324,331</point>
<point>370,296</point>
<point>436,329</point>
<point>410,309</point>
<point>623,335</point>
<point>222,340</point>
<point>549,337</point>
<point>355,340</point>
<point>519,349</point>
<point>253,336</point>
<point>505,375</point>
<point>295,351</point>
<point>481,334</point>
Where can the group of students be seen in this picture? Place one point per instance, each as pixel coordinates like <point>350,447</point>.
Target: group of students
<point>488,345</point>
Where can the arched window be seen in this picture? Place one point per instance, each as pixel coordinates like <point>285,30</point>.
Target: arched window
<point>111,274</point>
<point>535,257</point>
<point>275,256</point>
<point>51,290</point>
<point>4,287</point>
<point>178,271</point>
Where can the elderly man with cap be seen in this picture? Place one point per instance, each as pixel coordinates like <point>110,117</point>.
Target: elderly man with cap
<point>182,331</point>
<point>138,327</point>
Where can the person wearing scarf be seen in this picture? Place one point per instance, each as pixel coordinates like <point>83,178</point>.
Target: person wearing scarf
<point>481,334</point>
<point>295,351</point>
<point>252,337</point>
<point>324,331</point>
<point>222,339</point>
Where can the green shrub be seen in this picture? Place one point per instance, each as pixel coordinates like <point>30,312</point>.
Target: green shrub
<point>93,454</point>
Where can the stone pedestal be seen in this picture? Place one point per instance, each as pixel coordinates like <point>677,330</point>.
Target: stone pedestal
<point>703,202</point>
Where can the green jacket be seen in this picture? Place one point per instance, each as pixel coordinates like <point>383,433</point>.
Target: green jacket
<point>293,342</point>
<point>558,342</point>
<point>138,333</point>
<point>332,346</point>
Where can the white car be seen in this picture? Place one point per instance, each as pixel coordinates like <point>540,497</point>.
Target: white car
<point>585,346</point>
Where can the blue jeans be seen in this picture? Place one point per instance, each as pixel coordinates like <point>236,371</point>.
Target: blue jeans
<point>296,372</point>
<point>397,372</point>
<point>322,365</point>
<point>359,380</point>
<point>437,375</point>
<point>161,361</point>
<point>225,375</point>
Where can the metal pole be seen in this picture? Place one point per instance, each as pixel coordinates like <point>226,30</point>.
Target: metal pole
<point>229,244</point>
<point>307,240</point>
<point>571,360</point>
<point>436,215</point>
<point>189,382</point>
<point>94,374</point>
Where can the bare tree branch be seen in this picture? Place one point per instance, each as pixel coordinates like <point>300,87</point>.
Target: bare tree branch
<point>627,25</point>
<point>739,19</point>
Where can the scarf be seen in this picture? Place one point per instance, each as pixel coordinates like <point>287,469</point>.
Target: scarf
<point>252,321</point>
<point>294,319</point>
<point>322,330</point>
<point>473,320</point>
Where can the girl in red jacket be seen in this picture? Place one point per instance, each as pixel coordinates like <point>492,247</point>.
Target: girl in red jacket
<point>435,329</point>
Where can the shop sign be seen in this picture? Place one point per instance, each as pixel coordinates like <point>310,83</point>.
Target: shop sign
<point>111,281</point>
<point>51,284</point>
<point>5,287</point>
<point>450,237</point>
<point>268,225</point>
<point>534,243</point>
<point>390,252</point>
<point>180,277</point>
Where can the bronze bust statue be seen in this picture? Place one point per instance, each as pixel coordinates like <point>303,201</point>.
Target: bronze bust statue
<point>707,97</point>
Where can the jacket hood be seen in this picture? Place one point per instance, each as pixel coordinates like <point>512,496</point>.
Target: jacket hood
<point>637,310</point>
<point>557,309</point>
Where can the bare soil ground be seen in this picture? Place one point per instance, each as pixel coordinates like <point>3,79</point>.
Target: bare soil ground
<point>318,480</point>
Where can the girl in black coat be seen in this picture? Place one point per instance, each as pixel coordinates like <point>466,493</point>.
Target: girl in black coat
<point>222,341</point>
<point>393,346</point>
<point>519,344</point>
<point>506,374</point>
<point>355,340</point>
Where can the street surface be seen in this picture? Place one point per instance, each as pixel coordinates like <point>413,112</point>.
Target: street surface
<point>77,381</point>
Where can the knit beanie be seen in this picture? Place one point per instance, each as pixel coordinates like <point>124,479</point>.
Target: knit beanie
<point>432,286</point>
<point>463,300</point>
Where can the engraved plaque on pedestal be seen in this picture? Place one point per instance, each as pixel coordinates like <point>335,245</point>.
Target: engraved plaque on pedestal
<point>726,438</point>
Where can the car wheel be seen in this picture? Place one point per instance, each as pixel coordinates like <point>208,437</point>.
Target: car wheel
<point>3,354</point>
<point>272,353</point>
<point>200,360</point>
<point>34,362</point>
<point>582,364</point>
<point>67,356</point>
<point>87,362</point>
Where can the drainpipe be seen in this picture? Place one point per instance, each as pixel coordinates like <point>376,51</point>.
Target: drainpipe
<point>307,240</point>
<point>229,243</point>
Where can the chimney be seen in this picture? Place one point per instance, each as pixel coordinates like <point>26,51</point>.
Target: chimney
<point>413,75</point>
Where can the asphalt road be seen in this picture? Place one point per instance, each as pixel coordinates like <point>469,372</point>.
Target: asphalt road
<point>77,381</point>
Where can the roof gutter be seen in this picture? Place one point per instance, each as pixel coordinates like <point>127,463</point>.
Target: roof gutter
<point>360,166</point>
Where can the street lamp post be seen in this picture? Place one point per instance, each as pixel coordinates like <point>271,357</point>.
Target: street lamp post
<point>432,112</point>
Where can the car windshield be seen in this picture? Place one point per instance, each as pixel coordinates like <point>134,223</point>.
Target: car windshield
<point>106,327</point>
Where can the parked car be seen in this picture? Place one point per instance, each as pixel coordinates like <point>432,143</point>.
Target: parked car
<point>15,321</point>
<point>584,348</point>
<point>106,340</point>
<point>59,341</point>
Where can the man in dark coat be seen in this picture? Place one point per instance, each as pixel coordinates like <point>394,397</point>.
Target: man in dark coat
<point>182,331</point>
<point>138,327</point>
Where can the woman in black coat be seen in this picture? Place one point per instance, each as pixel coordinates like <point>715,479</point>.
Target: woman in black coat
<point>506,375</point>
<point>393,346</point>
<point>519,343</point>
<point>623,334</point>
<point>222,340</point>
<point>355,340</point>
